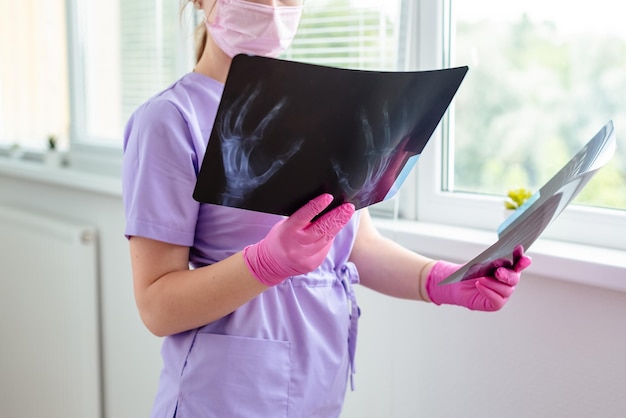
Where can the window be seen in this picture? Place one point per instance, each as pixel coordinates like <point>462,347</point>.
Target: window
<point>349,34</point>
<point>34,100</point>
<point>123,53</point>
<point>541,83</point>
<point>76,69</point>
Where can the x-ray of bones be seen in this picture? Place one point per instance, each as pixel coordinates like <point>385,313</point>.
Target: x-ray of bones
<point>238,149</point>
<point>379,155</point>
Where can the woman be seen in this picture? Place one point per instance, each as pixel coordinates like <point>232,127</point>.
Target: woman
<point>263,324</point>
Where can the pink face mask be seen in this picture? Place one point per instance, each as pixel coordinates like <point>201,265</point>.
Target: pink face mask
<point>246,27</point>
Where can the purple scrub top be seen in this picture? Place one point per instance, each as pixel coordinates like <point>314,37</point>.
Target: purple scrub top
<point>289,352</point>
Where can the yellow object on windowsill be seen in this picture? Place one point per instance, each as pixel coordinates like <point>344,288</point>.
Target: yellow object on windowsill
<point>516,198</point>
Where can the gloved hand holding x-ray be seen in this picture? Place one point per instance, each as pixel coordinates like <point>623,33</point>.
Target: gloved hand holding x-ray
<point>295,245</point>
<point>486,287</point>
<point>528,222</point>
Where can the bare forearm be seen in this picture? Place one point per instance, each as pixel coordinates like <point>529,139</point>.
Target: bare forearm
<point>387,267</point>
<point>394,271</point>
<point>171,298</point>
<point>186,299</point>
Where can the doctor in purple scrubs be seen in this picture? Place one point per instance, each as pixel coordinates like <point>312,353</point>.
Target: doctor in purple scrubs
<point>257,310</point>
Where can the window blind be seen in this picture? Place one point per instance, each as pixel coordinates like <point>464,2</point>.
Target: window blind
<point>148,50</point>
<point>348,34</point>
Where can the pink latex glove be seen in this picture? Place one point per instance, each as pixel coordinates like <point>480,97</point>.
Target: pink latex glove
<point>490,288</point>
<point>295,245</point>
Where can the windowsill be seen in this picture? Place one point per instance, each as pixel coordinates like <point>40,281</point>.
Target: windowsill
<point>61,176</point>
<point>583,264</point>
<point>593,266</point>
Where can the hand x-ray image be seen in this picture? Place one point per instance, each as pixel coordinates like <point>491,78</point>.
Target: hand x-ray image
<point>530,220</point>
<point>286,132</point>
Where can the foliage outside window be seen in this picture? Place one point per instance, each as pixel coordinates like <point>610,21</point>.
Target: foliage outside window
<point>541,83</point>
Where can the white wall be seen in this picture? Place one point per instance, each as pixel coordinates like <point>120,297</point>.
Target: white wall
<point>131,358</point>
<point>557,349</point>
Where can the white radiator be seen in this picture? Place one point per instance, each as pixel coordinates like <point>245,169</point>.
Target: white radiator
<point>49,328</point>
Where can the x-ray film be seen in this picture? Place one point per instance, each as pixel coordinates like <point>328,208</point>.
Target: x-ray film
<point>529,221</point>
<point>286,132</point>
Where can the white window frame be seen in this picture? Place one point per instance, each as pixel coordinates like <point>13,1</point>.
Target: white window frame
<point>422,197</point>
<point>83,155</point>
<point>90,154</point>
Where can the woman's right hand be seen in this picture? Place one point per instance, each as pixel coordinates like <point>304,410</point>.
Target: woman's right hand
<point>296,245</point>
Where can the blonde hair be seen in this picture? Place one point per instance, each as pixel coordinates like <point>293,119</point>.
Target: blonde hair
<point>200,32</point>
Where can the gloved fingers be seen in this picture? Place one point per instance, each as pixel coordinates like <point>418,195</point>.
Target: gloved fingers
<point>522,262</point>
<point>326,227</point>
<point>502,289</point>
<point>479,270</point>
<point>487,268</point>
<point>494,300</point>
<point>490,268</point>
<point>507,275</point>
<point>303,216</point>
<point>313,256</point>
<point>518,252</point>
<point>501,262</point>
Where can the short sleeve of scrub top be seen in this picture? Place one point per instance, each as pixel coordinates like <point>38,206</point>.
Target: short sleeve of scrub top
<point>161,160</point>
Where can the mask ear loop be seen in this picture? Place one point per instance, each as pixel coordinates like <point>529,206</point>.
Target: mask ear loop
<point>210,11</point>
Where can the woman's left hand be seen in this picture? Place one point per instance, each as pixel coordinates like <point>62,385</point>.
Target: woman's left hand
<point>488,290</point>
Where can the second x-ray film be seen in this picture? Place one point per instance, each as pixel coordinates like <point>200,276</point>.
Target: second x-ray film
<point>530,220</point>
